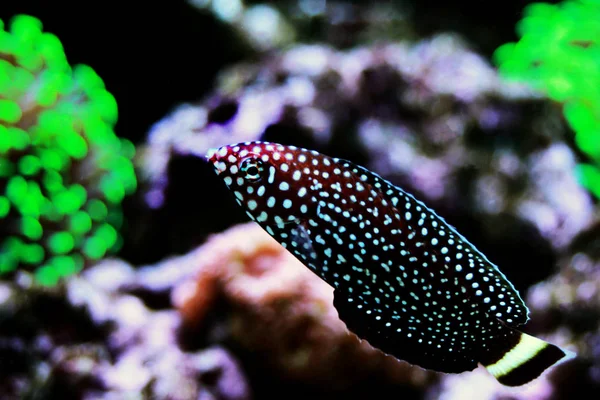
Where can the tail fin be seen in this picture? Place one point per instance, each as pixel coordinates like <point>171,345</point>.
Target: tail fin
<point>526,360</point>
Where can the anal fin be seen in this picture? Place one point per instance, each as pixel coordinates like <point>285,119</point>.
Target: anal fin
<point>391,334</point>
<point>351,315</point>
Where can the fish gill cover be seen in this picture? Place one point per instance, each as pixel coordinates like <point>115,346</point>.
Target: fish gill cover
<point>559,53</point>
<point>63,172</point>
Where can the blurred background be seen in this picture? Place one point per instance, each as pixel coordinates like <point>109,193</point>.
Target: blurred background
<point>127,271</point>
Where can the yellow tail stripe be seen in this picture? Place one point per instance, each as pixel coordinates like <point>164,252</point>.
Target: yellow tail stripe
<point>525,350</point>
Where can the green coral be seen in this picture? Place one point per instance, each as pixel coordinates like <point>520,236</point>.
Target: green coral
<point>559,53</point>
<point>63,172</point>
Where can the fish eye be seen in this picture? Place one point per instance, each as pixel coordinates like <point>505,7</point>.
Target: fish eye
<point>252,168</point>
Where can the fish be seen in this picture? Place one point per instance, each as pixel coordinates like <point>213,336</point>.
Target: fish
<point>404,279</point>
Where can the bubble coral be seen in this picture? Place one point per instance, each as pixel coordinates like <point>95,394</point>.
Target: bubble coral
<point>559,53</point>
<point>63,172</point>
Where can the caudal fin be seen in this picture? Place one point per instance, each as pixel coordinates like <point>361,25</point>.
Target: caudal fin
<point>526,360</point>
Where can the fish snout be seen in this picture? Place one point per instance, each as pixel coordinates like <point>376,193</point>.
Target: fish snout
<point>217,159</point>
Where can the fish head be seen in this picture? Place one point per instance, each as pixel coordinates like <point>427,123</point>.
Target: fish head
<point>265,178</point>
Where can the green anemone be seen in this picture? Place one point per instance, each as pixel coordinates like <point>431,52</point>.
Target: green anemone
<point>559,54</point>
<point>63,171</point>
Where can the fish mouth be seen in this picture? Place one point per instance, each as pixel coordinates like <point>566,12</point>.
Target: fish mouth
<point>213,157</point>
<point>211,154</point>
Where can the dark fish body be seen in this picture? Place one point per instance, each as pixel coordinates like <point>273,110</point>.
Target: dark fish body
<point>404,279</point>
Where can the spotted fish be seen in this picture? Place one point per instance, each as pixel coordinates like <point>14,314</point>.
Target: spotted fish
<point>403,279</point>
